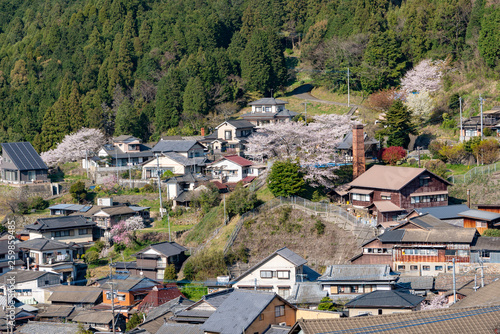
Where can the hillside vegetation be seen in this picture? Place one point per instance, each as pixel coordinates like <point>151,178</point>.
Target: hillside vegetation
<point>146,67</point>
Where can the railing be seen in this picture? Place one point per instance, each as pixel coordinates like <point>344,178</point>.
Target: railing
<point>480,170</point>
<point>318,208</point>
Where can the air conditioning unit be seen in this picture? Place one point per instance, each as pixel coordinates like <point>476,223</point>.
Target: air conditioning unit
<point>282,324</point>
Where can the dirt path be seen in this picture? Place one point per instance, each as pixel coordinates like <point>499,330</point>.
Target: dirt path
<point>304,92</point>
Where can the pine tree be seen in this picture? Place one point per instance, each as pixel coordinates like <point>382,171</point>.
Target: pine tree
<point>285,179</point>
<point>127,120</point>
<point>194,101</point>
<point>398,125</point>
<point>75,112</point>
<point>168,101</point>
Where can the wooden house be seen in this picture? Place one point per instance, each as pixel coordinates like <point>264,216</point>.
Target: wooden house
<point>21,164</point>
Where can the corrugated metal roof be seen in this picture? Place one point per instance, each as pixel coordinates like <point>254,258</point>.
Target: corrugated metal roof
<point>267,101</point>
<point>24,156</point>
<point>358,272</point>
<point>444,212</point>
<point>415,282</point>
<point>480,215</point>
<point>169,328</point>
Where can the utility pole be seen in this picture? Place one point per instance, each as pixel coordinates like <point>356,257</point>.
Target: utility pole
<point>116,158</point>
<point>112,295</point>
<point>481,105</point>
<point>129,172</point>
<point>348,89</point>
<point>454,284</point>
<point>159,183</point>
<point>224,200</point>
<point>461,127</point>
<point>305,111</point>
<point>87,164</point>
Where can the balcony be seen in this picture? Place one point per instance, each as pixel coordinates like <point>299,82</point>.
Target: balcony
<point>56,259</point>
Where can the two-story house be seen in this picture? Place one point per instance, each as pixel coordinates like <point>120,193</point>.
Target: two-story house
<point>21,164</point>
<point>177,156</point>
<point>9,258</point>
<point>422,246</point>
<point>350,280</point>
<point>389,191</point>
<point>268,111</point>
<point>276,273</point>
<point>229,137</point>
<point>49,255</point>
<point>152,260</point>
<point>29,284</point>
<point>233,168</point>
<point>125,150</point>
<point>250,312</point>
<point>67,229</point>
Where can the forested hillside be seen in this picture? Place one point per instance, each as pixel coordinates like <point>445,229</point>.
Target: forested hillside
<point>148,67</point>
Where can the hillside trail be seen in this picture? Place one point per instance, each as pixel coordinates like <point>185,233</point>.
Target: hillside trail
<point>304,93</point>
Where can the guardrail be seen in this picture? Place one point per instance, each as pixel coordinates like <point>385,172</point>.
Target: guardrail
<point>479,170</point>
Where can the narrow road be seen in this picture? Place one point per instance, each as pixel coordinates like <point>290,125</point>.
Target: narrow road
<point>304,92</point>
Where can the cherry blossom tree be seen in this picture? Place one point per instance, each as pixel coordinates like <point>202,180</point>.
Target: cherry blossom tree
<point>426,76</point>
<point>421,104</point>
<point>436,303</point>
<point>74,146</point>
<point>313,145</point>
<point>121,232</point>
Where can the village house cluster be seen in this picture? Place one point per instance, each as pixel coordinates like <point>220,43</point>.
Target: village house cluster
<point>425,254</point>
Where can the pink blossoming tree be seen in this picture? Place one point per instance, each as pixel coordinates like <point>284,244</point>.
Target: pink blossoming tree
<point>74,146</point>
<point>313,145</point>
<point>121,231</point>
<point>426,76</point>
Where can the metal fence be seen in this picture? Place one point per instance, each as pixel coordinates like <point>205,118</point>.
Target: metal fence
<point>318,208</point>
<point>474,172</point>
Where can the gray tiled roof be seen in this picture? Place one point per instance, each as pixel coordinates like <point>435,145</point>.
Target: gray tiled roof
<point>126,282</point>
<point>166,248</point>
<point>276,329</point>
<point>267,101</point>
<point>444,212</point>
<point>74,294</point>
<point>29,275</point>
<point>57,311</point>
<point>170,306</point>
<point>43,244</point>
<point>95,317</point>
<point>415,282</point>
<point>306,292</point>
<point>38,327</point>
<point>45,224</point>
<point>238,311</point>
<point>358,272</point>
<point>24,156</point>
<point>487,243</point>
<point>174,146</point>
<point>385,298</point>
<point>240,123</point>
<point>196,161</point>
<point>346,143</point>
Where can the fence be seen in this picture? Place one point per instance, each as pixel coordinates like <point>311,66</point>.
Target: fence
<point>318,208</point>
<point>480,170</point>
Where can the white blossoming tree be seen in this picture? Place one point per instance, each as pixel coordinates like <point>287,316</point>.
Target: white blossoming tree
<point>314,145</point>
<point>74,146</point>
<point>426,76</point>
<point>421,104</point>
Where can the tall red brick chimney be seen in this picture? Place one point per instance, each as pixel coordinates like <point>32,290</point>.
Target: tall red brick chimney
<point>203,132</point>
<point>358,151</point>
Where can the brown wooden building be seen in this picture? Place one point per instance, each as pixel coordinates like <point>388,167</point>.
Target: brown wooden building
<point>422,246</point>
<point>480,220</point>
<point>388,191</point>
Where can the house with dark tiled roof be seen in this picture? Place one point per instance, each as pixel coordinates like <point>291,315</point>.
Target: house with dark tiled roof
<point>201,310</point>
<point>268,110</point>
<point>447,213</point>
<point>29,285</point>
<point>40,327</point>
<point>152,260</point>
<point>100,321</point>
<point>233,168</point>
<point>249,312</point>
<point>276,273</point>
<point>421,246</point>
<point>347,281</point>
<point>81,297</point>
<point>160,295</point>
<point>10,259</point>
<point>59,313</point>
<point>67,229</point>
<point>20,163</point>
<point>229,137</point>
<point>124,151</point>
<point>383,302</point>
<point>480,220</point>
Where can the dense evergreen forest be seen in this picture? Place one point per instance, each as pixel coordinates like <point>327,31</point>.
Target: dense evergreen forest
<point>147,67</point>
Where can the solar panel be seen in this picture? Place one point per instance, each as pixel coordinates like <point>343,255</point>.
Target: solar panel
<point>85,208</point>
<point>24,156</point>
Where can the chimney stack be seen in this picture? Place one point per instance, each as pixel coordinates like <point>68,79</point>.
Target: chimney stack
<point>358,151</point>
<point>468,198</point>
<point>203,132</point>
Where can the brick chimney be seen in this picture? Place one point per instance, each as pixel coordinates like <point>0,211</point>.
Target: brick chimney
<point>203,132</point>
<point>358,151</point>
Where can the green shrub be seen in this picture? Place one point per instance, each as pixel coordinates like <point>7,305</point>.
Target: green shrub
<point>240,201</point>
<point>119,247</point>
<point>78,191</point>
<point>320,227</point>
<point>91,257</point>
<point>170,274</point>
<point>38,203</point>
<point>326,304</point>
<point>189,271</point>
<point>148,189</point>
<point>134,321</point>
<point>491,233</point>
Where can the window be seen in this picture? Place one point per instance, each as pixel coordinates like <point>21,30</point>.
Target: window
<point>284,292</point>
<point>279,311</point>
<point>284,274</point>
<point>428,199</point>
<point>258,109</point>
<point>413,267</point>
<point>379,311</point>
<point>228,135</point>
<point>450,268</point>
<point>485,253</point>
<point>426,252</point>
<point>438,268</point>
<point>84,231</point>
<point>401,267</point>
<point>450,252</point>
<point>58,234</point>
<point>424,182</point>
<point>268,109</point>
<point>261,317</point>
<point>385,197</point>
<point>121,297</point>
<point>360,197</point>
<point>463,253</point>
<point>426,268</point>
<point>266,274</point>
